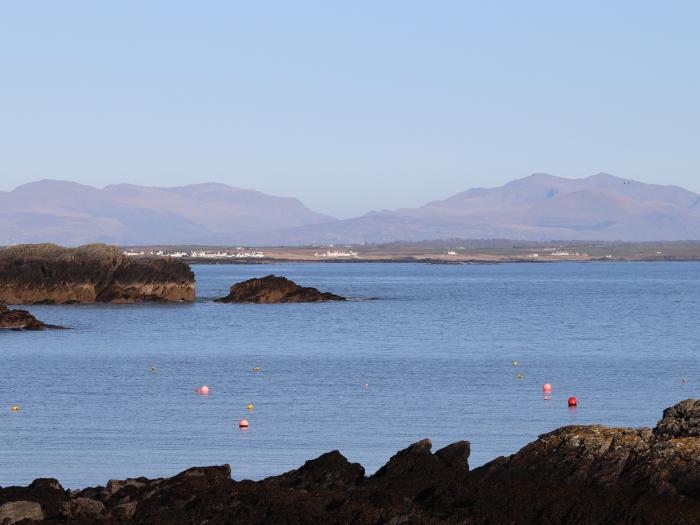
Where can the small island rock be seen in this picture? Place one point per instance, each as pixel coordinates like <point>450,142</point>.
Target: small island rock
<point>49,274</point>
<point>21,320</point>
<point>273,289</point>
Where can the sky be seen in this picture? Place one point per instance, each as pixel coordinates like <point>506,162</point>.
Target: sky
<point>349,106</point>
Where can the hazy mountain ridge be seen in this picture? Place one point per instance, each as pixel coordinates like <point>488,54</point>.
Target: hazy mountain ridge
<point>538,207</point>
<point>70,213</point>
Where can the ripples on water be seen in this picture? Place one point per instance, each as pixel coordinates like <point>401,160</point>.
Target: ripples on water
<point>436,352</point>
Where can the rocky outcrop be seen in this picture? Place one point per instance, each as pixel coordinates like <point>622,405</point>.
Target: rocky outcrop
<point>274,289</point>
<point>21,320</point>
<point>49,274</point>
<point>574,475</point>
<point>44,493</point>
<point>16,511</point>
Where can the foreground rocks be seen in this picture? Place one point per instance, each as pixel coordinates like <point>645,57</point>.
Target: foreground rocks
<point>21,320</point>
<point>274,289</point>
<point>49,274</point>
<point>574,475</point>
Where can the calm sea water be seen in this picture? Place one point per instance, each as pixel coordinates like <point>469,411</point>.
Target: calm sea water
<point>436,350</point>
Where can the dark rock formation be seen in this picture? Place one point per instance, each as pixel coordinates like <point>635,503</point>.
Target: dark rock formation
<point>49,274</point>
<point>45,492</point>
<point>574,475</point>
<point>273,289</point>
<point>21,320</point>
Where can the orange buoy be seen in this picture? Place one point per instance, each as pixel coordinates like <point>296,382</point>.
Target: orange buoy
<point>572,401</point>
<point>243,423</point>
<point>546,388</point>
<point>15,408</point>
<point>203,390</point>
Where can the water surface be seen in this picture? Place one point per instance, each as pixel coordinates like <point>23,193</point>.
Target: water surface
<point>436,352</point>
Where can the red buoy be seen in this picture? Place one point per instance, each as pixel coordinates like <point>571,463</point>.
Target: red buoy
<point>572,401</point>
<point>546,388</point>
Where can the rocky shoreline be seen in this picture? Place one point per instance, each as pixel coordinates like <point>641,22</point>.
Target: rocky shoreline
<point>49,274</point>
<point>574,475</point>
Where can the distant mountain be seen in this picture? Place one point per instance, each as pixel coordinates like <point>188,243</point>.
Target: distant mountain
<point>70,214</point>
<point>538,207</point>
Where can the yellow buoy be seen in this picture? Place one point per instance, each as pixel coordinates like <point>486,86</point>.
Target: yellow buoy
<point>515,363</point>
<point>256,369</point>
<point>520,376</point>
<point>15,408</point>
<point>250,407</point>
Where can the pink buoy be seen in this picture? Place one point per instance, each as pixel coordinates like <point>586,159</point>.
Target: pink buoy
<point>203,390</point>
<point>243,423</point>
<point>546,388</point>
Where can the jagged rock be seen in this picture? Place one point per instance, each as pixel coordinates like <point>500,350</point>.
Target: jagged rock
<point>574,475</point>
<point>596,474</point>
<point>47,492</point>
<point>21,320</point>
<point>115,485</point>
<point>16,511</point>
<point>125,511</point>
<point>195,495</point>
<point>681,420</point>
<point>273,289</point>
<point>49,274</point>
<point>330,471</point>
<point>416,475</point>
<point>84,509</point>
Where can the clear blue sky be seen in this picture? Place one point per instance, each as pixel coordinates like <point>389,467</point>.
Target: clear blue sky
<point>349,106</point>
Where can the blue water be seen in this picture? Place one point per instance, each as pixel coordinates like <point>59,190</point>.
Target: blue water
<point>436,350</point>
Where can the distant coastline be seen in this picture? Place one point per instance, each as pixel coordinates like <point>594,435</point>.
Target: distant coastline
<point>439,252</point>
<point>435,252</point>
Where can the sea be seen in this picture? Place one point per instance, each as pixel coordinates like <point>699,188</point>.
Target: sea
<point>446,352</point>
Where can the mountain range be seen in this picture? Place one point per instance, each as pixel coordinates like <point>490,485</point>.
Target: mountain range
<point>68,213</point>
<point>539,207</point>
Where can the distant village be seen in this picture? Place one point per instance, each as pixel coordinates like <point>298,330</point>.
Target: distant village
<point>331,252</point>
<point>199,254</point>
<point>455,254</point>
<point>239,253</point>
<point>336,253</point>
